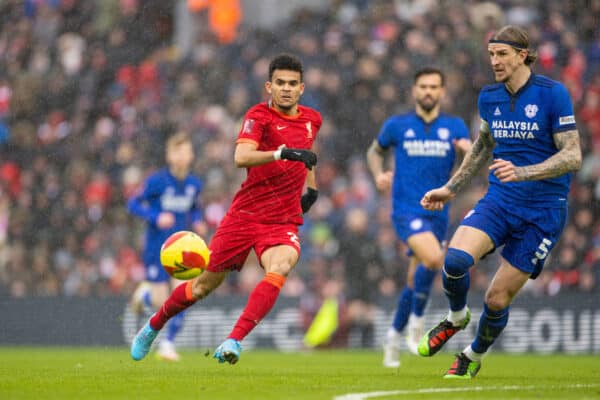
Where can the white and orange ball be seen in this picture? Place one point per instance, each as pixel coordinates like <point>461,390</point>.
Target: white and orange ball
<point>184,255</point>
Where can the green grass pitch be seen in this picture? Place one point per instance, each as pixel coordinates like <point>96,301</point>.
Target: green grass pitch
<point>108,373</point>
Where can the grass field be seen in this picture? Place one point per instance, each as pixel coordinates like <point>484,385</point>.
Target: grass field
<point>108,373</point>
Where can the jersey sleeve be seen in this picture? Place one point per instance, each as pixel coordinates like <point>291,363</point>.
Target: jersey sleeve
<point>253,126</point>
<point>386,138</point>
<point>562,116</point>
<point>138,205</point>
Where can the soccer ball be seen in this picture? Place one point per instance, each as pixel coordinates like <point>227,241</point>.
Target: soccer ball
<point>184,255</point>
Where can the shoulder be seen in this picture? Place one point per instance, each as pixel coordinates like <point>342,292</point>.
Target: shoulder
<point>491,93</point>
<point>310,113</point>
<point>490,90</point>
<point>544,81</point>
<point>156,178</point>
<point>449,118</point>
<point>259,111</point>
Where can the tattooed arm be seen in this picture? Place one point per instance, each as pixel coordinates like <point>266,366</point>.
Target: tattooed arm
<point>567,159</point>
<point>474,160</point>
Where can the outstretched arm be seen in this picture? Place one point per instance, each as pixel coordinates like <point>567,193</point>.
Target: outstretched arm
<point>474,160</point>
<point>567,159</point>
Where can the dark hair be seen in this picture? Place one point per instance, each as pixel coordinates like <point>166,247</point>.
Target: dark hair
<point>429,71</point>
<point>517,38</point>
<point>287,62</point>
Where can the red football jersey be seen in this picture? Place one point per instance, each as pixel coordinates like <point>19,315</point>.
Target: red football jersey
<point>271,192</point>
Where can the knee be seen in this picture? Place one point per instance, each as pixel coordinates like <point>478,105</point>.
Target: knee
<point>497,300</point>
<point>201,289</point>
<point>281,268</point>
<point>457,262</point>
<point>433,260</point>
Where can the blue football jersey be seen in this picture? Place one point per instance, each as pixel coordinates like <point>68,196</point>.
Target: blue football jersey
<point>424,156</point>
<point>163,192</point>
<point>523,126</point>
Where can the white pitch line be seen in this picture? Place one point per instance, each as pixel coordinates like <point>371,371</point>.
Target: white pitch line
<point>370,395</point>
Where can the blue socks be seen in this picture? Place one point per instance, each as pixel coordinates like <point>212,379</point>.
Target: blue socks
<point>491,324</point>
<point>174,326</point>
<point>403,309</point>
<point>456,278</point>
<point>423,280</point>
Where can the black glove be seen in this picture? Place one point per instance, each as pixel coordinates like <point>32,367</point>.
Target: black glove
<point>306,156</point>
<point>308,199</point>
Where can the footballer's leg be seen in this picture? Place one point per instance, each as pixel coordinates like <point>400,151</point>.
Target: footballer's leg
<point>277,261</point>
<point>430,258</point>
<point>393,337</point>
<point>506,283</point>
<point>182,297</point>
<point>467,245</point>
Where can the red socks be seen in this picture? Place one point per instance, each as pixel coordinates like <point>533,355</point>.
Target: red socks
<point>260,302</point>
<point>180,299</point>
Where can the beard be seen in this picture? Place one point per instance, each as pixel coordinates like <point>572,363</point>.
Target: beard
<point>427,106</point>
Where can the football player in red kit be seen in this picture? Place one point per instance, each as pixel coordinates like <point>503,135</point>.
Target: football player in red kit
<point>274,144</point>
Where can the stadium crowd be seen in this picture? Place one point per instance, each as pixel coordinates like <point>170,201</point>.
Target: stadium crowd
<point>90,90</point>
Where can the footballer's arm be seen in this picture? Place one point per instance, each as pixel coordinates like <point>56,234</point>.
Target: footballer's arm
<point>247,155</point>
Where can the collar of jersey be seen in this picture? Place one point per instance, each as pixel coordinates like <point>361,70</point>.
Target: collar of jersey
<point>425,122</point>
<point>522,88</point>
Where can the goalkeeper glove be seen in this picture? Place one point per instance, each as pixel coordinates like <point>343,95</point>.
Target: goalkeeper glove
<point>306,156</point>
<point>308,199</point>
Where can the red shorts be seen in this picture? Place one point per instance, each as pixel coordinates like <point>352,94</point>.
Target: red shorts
<point>235,237</point>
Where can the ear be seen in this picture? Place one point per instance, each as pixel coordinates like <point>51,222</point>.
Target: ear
<point>268,86</point>
<point>301,88</point>
<point>523,54</point>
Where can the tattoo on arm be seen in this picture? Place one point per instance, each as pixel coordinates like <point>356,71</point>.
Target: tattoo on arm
<point>474,160</point>
<point>567,159</point>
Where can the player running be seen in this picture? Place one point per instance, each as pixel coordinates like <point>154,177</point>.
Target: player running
<point>274,144</point>
<point>168,203</point>
<point>529,127</point>
<point>426,143</point>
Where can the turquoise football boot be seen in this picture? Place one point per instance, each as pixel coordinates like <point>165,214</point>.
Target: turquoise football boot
<point>140,346</point>
<point>229,351</point>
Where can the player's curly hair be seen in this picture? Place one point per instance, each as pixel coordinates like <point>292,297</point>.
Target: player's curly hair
<point>288,62</point>
<point>518,38</point>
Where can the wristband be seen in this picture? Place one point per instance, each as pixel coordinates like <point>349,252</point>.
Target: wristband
<point>277,154</point>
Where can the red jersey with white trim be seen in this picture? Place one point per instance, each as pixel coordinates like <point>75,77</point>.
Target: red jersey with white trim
<point>271,192</point>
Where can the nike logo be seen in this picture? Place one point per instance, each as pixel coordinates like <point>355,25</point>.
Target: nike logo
<point>280,127</point>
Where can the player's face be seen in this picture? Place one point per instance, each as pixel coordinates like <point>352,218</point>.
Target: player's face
<point>505,60</point>
<point>180,156</point>
<point>428,91</point>
<point>285,88</point>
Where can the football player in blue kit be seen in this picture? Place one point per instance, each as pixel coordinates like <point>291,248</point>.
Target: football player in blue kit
<point>425,143</point>
<point>528,127</point>
<point>168,203</point>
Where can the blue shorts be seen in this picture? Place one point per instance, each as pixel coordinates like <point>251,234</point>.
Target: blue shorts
<point>528,234</point>
<point>155,273</point>
<point>409,224</point>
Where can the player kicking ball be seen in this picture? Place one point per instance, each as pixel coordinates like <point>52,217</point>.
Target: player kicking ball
<point>528,126</point>
<point>274,144</point>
